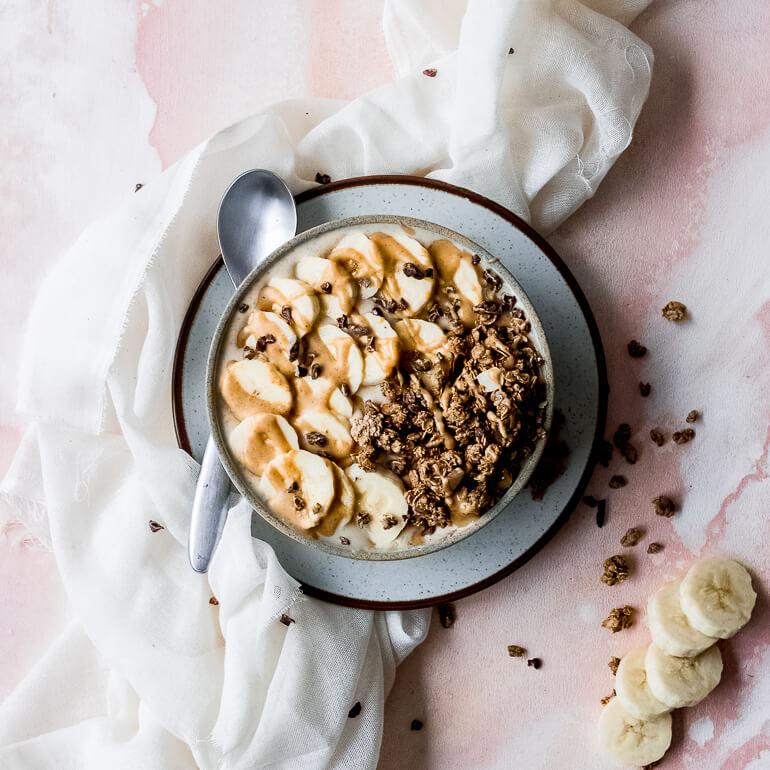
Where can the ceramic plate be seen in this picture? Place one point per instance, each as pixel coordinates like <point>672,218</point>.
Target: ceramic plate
<point>519,531</point>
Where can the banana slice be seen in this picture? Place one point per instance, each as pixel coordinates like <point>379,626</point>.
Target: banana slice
<point>490,379</point>
<point>345,355</point>
<point>456,266</point>
<point>381,495</point>
<point>321,431</point>
<point>299,487</point>
<point>421,336</point>
<point>298,296</point>
<point>630,740</point>
<point>321,394</point>
<point>253,386</point>
<point>632,689</point>
<point>259,439</point>
<point>380,362</point>
<point>717,597</point>
<point>409,272</point>
<point>337,290</point>
<point>342,507</point>
<point>669,628</point>
<point>362,260</point>
<point>262,325</point>
<point>679,682</point>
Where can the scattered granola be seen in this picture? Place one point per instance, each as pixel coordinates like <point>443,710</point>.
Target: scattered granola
<point>664,506</point>
<point>692,415</point>
<point>430,72</point>
<point>644,389</point>
<point>601,513</point>
<point>535,663</point>
<point>155,527</point>
<point>622,440</point>
<point>617,481</point>
<point>286,620</point>
<point>657,437</point>
<point>355,710</point>
<point>632,537</point>
<point>615,570</point>
<point>446,615</point>
<point>674,311</point>
<point>515,651</point>
<point>636,349</point>
<point>654,548</point>
<point>683,436</point>
<point>416,725</point>
<point>619,619</point>
<point>607,698</point>
<point>214,601</point>
<point>613,664</point>
<point>322,178</point>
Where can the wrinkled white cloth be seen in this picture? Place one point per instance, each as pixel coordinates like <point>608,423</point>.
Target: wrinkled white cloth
<point>149,674</point>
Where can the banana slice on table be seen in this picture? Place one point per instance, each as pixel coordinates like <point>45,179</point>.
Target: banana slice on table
<point>680,682</point>
<point>380,362</point>
<point>631,740</point>
<point>336,288</point>
<point>265,325</point>
<point>345,354</point>
<point>632,689</point>
<point>361,258</point>
<point>297,296</point>
<point>299,487</point>
<point>421,336</point>
<point>342,507</point>
<point>321,431</point>
<point>717,597</point>
<point>259,439</point>
<point>669,627</point>
<point>456,266</point>
<point>381,496</point>
<point>253,386</point>
<point>409,272</point>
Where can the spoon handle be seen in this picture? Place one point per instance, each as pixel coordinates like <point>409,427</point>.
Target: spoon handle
<point>209,509</point>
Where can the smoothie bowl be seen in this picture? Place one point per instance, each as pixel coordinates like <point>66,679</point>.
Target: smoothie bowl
<point>380,388</point>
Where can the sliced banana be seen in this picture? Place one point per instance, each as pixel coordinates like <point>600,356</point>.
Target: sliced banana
<point>381,495</point>
<point>361,257</point>
<point>264,324</point>
<point>343,506</point>
<point>399,250</point>
<point>456,266</point>
<point>336,288</point>
<point>260,438</point>
<point>321,431</point>
<point>631,740</point>
<point>298,296</point>
<point>679,682</point>
<point>345,354</point>
<point>632,689</point>
<point>380,362</point>
<point>321,393</point>
<point>490,379</point>
<point>669,627</point>
<point>717,597</point>
<point>253,386</point>
<point>299,487</point>
<point>421,336</point>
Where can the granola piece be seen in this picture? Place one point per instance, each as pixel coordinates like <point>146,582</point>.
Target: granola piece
<point>613,664</point>
<point>622,435</point>
<point>619,619</point>
<point>664,506</point>
<point>515,651</point>
<point>657,437</point>
<point>617,482</point>
<point>632,537</point>
<point>535,663</point>
<point>630,453</point>
<point>446,615</point>
<point>674,311</point>
<point>416,725</point>
<point>154,526</point>
<point>322,178</point>
<point>683,436</point>
<point>654,548</point>
<point>636,349</point>
<point>692,416</point>
<point>607,698</point>
<point>644,389</point>
<point>601,513</point>
<point>615,570</point>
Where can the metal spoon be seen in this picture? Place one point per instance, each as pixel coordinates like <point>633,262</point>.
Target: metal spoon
<point>257,214</point>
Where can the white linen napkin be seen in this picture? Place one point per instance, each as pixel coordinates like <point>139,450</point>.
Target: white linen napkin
<point>149,673</point>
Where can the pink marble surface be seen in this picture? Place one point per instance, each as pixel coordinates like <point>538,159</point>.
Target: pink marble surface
<point>101,96</point>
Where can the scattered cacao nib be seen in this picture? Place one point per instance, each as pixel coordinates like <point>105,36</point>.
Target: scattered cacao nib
<point>286,620</point>
<point>138,187</point>
<point>315,371</point>
<point>613,664</point>
<point>657,437</point>
<point>363,518</point>
<point>322,178</point>
<point>590,501</point>
<point>316,438</point>
<point>155,527</point>
<point>674,311</point>
<point>683,436</point>
<point>416,725</point>
<point>617,481</point>
<point>345,389</point>
<point>622,435</point>
<point>243,307</point>
<point>475,259</point>
<point>619,619</point>
<point>299,503</point>
<point>301,370</point>
<point>493,279</point>
<point>389,521</point>
<point>343,321</point>
<point>601,513</point>
<point>355,711</point>
<point>430,72</point>
<point>446,615</point>
<point>630,453</point>
<point>664,506</point>
<point>607,698</point>
<point>345,540</point>
<point>644,389</point>
<point>294,351</point>
<point>293,487</point>
<point>261,344</point>
<point>692,416</point>
<point>510,51</point>
<point>604,453</point>
<point>377,311</point>
<point>535,663</point>
<point>286,313</point>
<point>414,271</point>
<point>632,537</point>
<point>248,352</point>
<point>515,651</point>
<point>654,548</point>
<point>615,570</point>
<point>317,507</point>
<point>636,349</point>
<point>213,600</point>
<point>326,287</point>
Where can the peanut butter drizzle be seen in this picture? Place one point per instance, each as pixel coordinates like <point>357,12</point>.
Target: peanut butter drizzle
<point>276,352</point>
<point>333,366</point>
<point>282,503</point>
<point>268,441</point>
<point>447,257</point>
<point>339,277</point>
<point>393,255</point>
<point>338,512</point>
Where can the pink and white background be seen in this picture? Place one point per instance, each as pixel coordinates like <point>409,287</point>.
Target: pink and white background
<point>97,97</point>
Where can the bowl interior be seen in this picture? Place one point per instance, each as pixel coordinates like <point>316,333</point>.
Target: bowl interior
<point>319,240</point>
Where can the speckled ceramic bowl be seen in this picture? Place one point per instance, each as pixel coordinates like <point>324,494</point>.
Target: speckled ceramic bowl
<point>286,253</point>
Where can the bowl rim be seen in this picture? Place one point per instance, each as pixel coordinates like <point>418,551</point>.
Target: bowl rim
<point>212,394</point>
